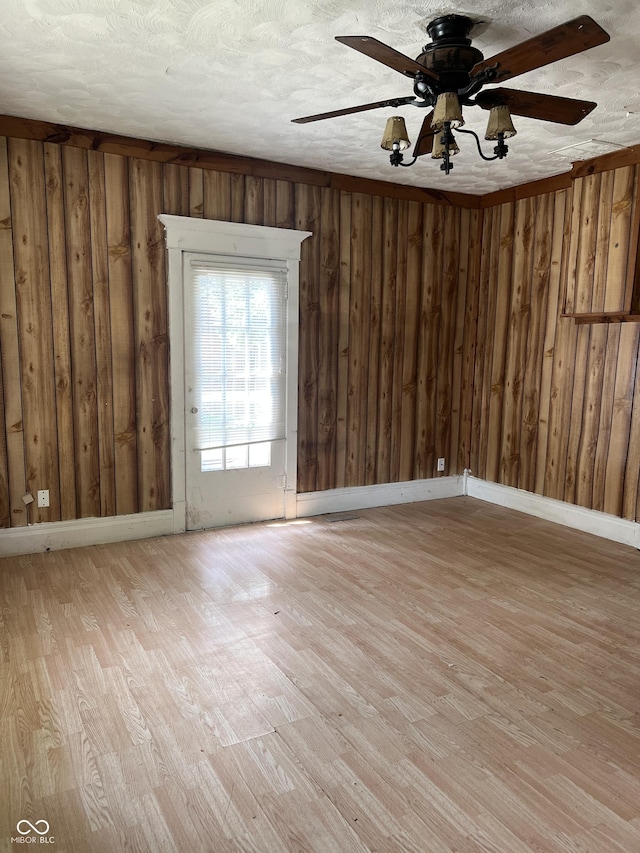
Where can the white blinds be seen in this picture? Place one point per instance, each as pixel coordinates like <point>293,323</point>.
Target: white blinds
<point>238,317</point>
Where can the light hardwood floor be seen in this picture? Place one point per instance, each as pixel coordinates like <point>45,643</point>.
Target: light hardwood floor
<point>446,676</point>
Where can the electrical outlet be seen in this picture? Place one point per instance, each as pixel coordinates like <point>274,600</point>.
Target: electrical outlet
<point>43,497</point>
<point>441,463</point>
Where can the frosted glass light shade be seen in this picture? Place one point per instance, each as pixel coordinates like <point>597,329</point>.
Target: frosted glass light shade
<point>500,122</point>
<point>395,132</point>
<point>447,108</point>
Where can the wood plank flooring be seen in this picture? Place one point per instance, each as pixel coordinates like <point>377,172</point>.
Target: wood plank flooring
<point>437,677</point>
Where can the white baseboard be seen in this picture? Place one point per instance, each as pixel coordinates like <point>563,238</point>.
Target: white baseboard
<point>97,531</point>
<point>385,494</point>
<point>52,536</point>
<point>588,520</point>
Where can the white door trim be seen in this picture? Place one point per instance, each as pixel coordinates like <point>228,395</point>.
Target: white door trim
<point>186,234</point>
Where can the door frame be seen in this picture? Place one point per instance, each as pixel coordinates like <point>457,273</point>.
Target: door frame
<point>216,237</point>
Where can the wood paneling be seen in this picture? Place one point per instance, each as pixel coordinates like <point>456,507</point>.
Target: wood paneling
<point>151,335</point>
<point>33,311</point>
<point>13,474</point>
<point>426,329</point>
<point>218,161</point>
<point>603,242</point>
<point>65,410</point>
<point>82,332</point>
<point>307,207</point>
<point>557,406</point>
<point>328,336</point>
<point>123,350</point>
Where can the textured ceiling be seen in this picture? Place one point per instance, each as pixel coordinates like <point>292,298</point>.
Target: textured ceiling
<point>229,75</point>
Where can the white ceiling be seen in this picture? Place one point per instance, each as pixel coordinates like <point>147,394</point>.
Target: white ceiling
<point>229,75</point>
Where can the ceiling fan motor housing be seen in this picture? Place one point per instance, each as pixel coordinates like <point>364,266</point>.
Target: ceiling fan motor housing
<point>450,54</point>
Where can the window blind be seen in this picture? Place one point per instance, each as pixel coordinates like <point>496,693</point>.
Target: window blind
<point>238,318</point>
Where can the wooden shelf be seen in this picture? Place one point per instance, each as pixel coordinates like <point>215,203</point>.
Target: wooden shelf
<point>611,317</point>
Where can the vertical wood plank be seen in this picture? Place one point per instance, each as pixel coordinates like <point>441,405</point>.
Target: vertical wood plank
<point>216,195</point>
<point>328,336</point>
<point>12,424</point>
<point>237,197</point>
<point>590,416</point>
<point>61,332</point>
<point>586,258</point>
<point>554,307</point>
<point>620,239</point>
<point>484,335</point>
<point>573,238</point>
<point>470,344</point>
<point>533,352</point>
<point>577,388</point>
<point>460,297</point>
<point>495,419</point>
<point>449,285</point>
<point>121,311</point>
<point>624,446</point>
<point>632,289</point>
<point>196,192</point>
<point>102,320</point>
<point>373,365</point>
<point>600,274</point>
<point>175,190</point>
<point>33,305</point>
<point>518,330</point>
<point>429,330</point>
<point>5,504</point>
<point>560,408</point>
<point>150,325</point>
<point>359,307</point>
<point>631,492</point>
<point>413,292</point>
<point>344,299</point>
<point>253,200</point>
<point>270,206</point>
<point>604,434</point>
<point>82,328</point>
<point>307,207</point>
<point>561,383</point>
<point>389,238</point>
<point>401,315</point>
<point>285,209</point>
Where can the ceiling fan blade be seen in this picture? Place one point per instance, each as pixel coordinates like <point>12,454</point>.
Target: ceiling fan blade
<point>393,102</point>
<point>565,40</point>
<point>537,105</point>
<point>386,55</point>
<point>424,142</point>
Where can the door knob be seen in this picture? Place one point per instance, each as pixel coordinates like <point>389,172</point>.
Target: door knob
<point>194,410</point>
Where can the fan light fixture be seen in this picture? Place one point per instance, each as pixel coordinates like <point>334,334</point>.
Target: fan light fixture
<point>500,123</point>
<point>395,138</point>
<point>447,108</point>
<point>447,115</point>
<point>450,74</point>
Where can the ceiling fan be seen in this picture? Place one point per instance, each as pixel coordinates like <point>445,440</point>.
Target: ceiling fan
<point>450,73</point>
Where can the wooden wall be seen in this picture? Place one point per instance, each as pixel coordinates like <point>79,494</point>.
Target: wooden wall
<point>84,392</point>
<point>383,287</point>
<point>427,328</point>
<point>556,406</point>
<point>601,259</point>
